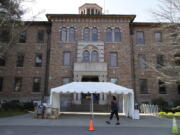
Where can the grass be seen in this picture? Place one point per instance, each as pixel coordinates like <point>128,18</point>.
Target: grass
<point>11,113</point>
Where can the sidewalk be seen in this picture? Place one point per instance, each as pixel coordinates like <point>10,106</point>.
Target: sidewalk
<point>83,121</point>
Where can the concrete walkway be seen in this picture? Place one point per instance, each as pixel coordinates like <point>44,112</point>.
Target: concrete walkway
<point>83,121</point>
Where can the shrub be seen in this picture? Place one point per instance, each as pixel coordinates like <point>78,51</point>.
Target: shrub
<point>176,109</point>
<point>162,104</point>
<point>16,105</point>
<point>28,106</point>
<point>170,114</point>
<point>162,113</point>
<point>177,114</point>
<point>12,105</point>
<point>176,102</point>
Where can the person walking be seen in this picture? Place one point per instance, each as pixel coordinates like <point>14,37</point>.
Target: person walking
<point>114,110</point>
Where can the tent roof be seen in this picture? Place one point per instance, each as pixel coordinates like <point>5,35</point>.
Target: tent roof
<point>91,87</point>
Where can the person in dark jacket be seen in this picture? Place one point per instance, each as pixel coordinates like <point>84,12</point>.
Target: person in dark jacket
<point>114,110</point>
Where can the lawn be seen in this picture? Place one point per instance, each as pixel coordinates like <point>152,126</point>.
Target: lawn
<point>11,113</point>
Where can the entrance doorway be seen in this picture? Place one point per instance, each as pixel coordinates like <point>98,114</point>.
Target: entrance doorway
<point>90,79</point>
<point>86,97</point>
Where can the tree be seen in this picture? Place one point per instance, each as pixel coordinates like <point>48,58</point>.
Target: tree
<point>168,14</point>
<point>10,17</point>
<point>11,24</point>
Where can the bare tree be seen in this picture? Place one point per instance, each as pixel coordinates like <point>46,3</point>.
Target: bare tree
<point>10,15</point>
<point>11,24</point>
<point>168,14</point>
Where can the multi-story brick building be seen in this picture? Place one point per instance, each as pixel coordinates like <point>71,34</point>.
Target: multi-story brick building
<point>89,46</point>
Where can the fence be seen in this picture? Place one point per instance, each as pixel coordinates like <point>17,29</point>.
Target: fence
<point>149,109</point>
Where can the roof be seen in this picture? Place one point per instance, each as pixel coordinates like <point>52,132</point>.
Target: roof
<point>92,87</point>
<point>50,16</point>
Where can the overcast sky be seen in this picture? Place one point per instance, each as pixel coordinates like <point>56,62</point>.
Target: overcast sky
<point>141,8</point>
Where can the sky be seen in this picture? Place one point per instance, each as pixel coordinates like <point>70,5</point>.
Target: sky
<point>141,8</point>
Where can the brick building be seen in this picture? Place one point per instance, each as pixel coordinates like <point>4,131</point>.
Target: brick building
<point>89,46</point>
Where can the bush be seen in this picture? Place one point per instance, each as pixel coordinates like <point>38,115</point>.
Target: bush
<point>176,102</point>
<point>28,106</point>
<point>161,114</point>
<point>177,114</point>
<point>16,105</point>
<point>170,114</point>
<point>176,109</point>
<point>162,104</point>
<point>12,105</point>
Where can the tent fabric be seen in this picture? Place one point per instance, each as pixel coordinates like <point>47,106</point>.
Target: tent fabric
<point>92,87</point>
<point>95,87</point>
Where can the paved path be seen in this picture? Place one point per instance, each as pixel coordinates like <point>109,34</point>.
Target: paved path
<point>41,130</point>
<point>78,125</point>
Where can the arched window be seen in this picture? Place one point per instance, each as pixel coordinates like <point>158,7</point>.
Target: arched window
<point>117,35</point>
<point>86,56</point>
<point>94,34</point>
<point>109,35</point>
<point>177,58</point>
<point>86,34</point>
<point>71,34</point>
<point>63,35</point>
<point>94,56</point>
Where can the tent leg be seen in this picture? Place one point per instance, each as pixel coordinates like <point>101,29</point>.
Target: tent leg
<point>92,106</point>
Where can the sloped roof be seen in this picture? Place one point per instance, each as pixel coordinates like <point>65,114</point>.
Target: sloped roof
<point>92,87</point>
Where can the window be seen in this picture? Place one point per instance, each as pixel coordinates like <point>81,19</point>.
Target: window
<point>177,59</point>
<point>63,34</point>
<point>143,86</point>
<point>88,11</point>
<point>94,34</point>
<point>117,35</point>
<point>40,36</point>
<point>178,88</point>
<point>162,87</point>
<point>67,34</point>
<point>22,37</point>
<point>140,37</point>
<point>94,56</point>
<point>113,59</point>
<point>36,84</point>
<point>114,80</point>
<point>86,34</point>
<point>158,37</point>
<point>86,56</point>
<point>2,61</point>
<point>92,11</point>
<point>20,60</point>
<point>71,34</point>
<point>109,35</point>
<point>160,60</point>
<point>4,35</point>
<point>1,84</point>
<point>38,60</point>
<point>142,61</point>
<point>66,80</point>
<point>67,58</point>
<point>113,35</point>
<point>17,84</point>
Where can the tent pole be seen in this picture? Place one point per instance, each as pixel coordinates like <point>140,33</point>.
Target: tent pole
<point>92,106</point>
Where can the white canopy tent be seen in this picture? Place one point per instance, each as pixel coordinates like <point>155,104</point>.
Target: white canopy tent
<point>95,87</point>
